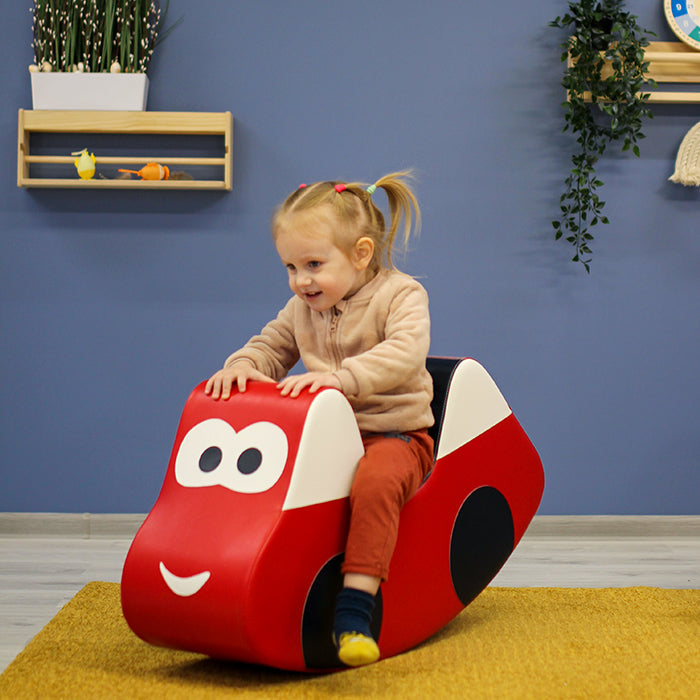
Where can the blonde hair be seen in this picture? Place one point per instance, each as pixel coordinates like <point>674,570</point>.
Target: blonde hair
<point>354,208</point>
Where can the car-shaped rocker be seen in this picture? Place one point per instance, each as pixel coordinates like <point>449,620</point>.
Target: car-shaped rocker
<point>240,557</point>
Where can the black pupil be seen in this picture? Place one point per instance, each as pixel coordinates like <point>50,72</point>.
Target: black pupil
<point>210,459</point>
<point>249,460</point>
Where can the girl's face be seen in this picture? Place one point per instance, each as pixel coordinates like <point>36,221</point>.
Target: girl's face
<point>320,273</point>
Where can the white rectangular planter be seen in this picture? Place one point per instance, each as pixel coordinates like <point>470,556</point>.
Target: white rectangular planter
<point>90,91</point>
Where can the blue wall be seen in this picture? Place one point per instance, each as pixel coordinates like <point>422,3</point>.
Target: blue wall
<point>113,305</point>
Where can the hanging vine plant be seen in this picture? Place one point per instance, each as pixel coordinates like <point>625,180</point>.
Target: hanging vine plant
<point>604,79</point>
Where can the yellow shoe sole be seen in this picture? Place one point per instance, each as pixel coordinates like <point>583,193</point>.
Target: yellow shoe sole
<point>357,649</point>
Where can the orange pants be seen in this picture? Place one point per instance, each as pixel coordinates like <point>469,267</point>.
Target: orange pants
<point>389,474</point>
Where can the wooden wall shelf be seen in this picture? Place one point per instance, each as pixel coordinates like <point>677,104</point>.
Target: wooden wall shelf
<point>671,62</point>
<point>127,124</point>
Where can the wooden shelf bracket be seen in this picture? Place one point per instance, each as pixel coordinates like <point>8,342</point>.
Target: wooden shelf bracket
<point>125,123</point>
<point>671,62</point>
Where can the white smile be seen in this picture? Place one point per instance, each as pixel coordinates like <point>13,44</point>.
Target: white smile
<point>184,585</point>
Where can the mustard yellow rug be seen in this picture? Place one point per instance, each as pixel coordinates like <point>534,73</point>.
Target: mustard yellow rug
<point>509,643</point>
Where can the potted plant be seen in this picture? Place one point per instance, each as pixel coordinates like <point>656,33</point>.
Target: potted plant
<point>604,79</point>
<point>87,52</point>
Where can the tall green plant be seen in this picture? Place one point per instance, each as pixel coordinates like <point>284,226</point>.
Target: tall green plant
<point>97,33</point>
<point>604,79</point>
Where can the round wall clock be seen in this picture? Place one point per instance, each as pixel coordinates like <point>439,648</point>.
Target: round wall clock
<point>684,20</point>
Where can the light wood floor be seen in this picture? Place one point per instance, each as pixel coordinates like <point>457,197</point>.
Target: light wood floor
<point>39,572</point>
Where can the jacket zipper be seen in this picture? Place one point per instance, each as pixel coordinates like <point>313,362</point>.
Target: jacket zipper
<point>333,338</point>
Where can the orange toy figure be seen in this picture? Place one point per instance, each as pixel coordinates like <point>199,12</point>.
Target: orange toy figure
<point>150,171</point>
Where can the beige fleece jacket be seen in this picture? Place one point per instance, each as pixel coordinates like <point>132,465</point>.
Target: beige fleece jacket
<point>376,343</point>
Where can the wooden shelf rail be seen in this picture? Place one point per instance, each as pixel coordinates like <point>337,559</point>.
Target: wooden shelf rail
<point>128,123</point>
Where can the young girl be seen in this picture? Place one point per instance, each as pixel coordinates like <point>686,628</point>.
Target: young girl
<point>360,326</point>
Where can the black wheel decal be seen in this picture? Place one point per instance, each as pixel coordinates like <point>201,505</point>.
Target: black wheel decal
<point>319,610</point>
<point>482,541</point>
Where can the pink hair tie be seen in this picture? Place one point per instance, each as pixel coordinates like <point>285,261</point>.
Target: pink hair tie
<point>301,187</point>
<point>340,188</point>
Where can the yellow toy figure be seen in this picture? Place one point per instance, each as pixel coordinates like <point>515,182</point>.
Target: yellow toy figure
<point>85,163</point>
<point>150,171</point>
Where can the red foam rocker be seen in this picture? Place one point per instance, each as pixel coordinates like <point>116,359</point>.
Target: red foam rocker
<point>240,556</point>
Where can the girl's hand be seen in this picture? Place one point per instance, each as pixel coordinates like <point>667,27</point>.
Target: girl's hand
<point>219,385</point>
<point>293,385</point>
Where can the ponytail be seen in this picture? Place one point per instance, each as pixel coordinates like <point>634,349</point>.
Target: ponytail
<point>403,208</point>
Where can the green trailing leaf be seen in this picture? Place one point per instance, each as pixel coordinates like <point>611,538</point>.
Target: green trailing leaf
<point>599,31</point>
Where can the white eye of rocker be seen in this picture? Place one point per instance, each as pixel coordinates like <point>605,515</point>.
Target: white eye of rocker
<point>248,461</point>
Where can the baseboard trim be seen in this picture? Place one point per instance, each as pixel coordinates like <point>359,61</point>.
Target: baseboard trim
<point>82,525</point>
<point>125,525</point>
<point>614,526</point>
